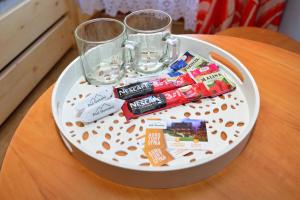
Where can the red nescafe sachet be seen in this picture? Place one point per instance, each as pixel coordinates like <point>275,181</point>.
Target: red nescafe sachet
<point>155,102</point>
<point>209,85</point>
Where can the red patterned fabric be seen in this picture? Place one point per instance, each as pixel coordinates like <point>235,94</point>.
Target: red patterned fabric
<point>217,15</point>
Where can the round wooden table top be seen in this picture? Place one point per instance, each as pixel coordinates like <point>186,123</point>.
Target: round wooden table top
<point>38,166</point>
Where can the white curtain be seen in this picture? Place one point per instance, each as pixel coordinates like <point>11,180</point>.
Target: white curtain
<point>186,9</point>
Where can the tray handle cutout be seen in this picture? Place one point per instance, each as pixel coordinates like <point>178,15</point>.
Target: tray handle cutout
<point>221,59</point>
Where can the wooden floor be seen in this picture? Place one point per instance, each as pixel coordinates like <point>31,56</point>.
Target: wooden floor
<point>8,128</point>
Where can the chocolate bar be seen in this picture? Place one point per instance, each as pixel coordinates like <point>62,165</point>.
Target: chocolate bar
<point>187,63</point>
<point>182,61</point>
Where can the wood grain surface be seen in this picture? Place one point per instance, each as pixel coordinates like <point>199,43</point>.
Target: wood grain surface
<point>24,73</point>
<point>263,35</point>
<point>38,166</point>
<point>30,19</point>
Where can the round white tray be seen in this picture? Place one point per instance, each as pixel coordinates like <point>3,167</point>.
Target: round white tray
<point>109,147</point>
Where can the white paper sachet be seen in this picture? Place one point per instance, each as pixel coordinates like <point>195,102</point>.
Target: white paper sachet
<point>102,94</point>
<point>101,109</point>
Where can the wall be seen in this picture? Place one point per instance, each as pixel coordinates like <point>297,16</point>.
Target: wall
<point>290,24</point>
<point>6,5</point>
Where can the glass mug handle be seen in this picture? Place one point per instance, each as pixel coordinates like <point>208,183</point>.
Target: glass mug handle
<point>172,51</point>
<point>131,53</point>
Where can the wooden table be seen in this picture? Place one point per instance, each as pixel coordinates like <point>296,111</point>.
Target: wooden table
<point>263,35</point>
<point>38,166</point>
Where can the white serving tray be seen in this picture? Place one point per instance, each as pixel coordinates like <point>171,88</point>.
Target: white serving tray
<point>109,147</point>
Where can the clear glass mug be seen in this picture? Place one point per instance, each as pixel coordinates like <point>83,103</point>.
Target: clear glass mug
<point>100,43</point>
<point>150,43</point>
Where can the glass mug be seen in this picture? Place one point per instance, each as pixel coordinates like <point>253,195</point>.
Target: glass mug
<point>100,43</point>
<point>150,43</point>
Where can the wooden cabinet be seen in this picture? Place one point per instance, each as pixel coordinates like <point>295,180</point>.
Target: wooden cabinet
<point>34,35</point>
